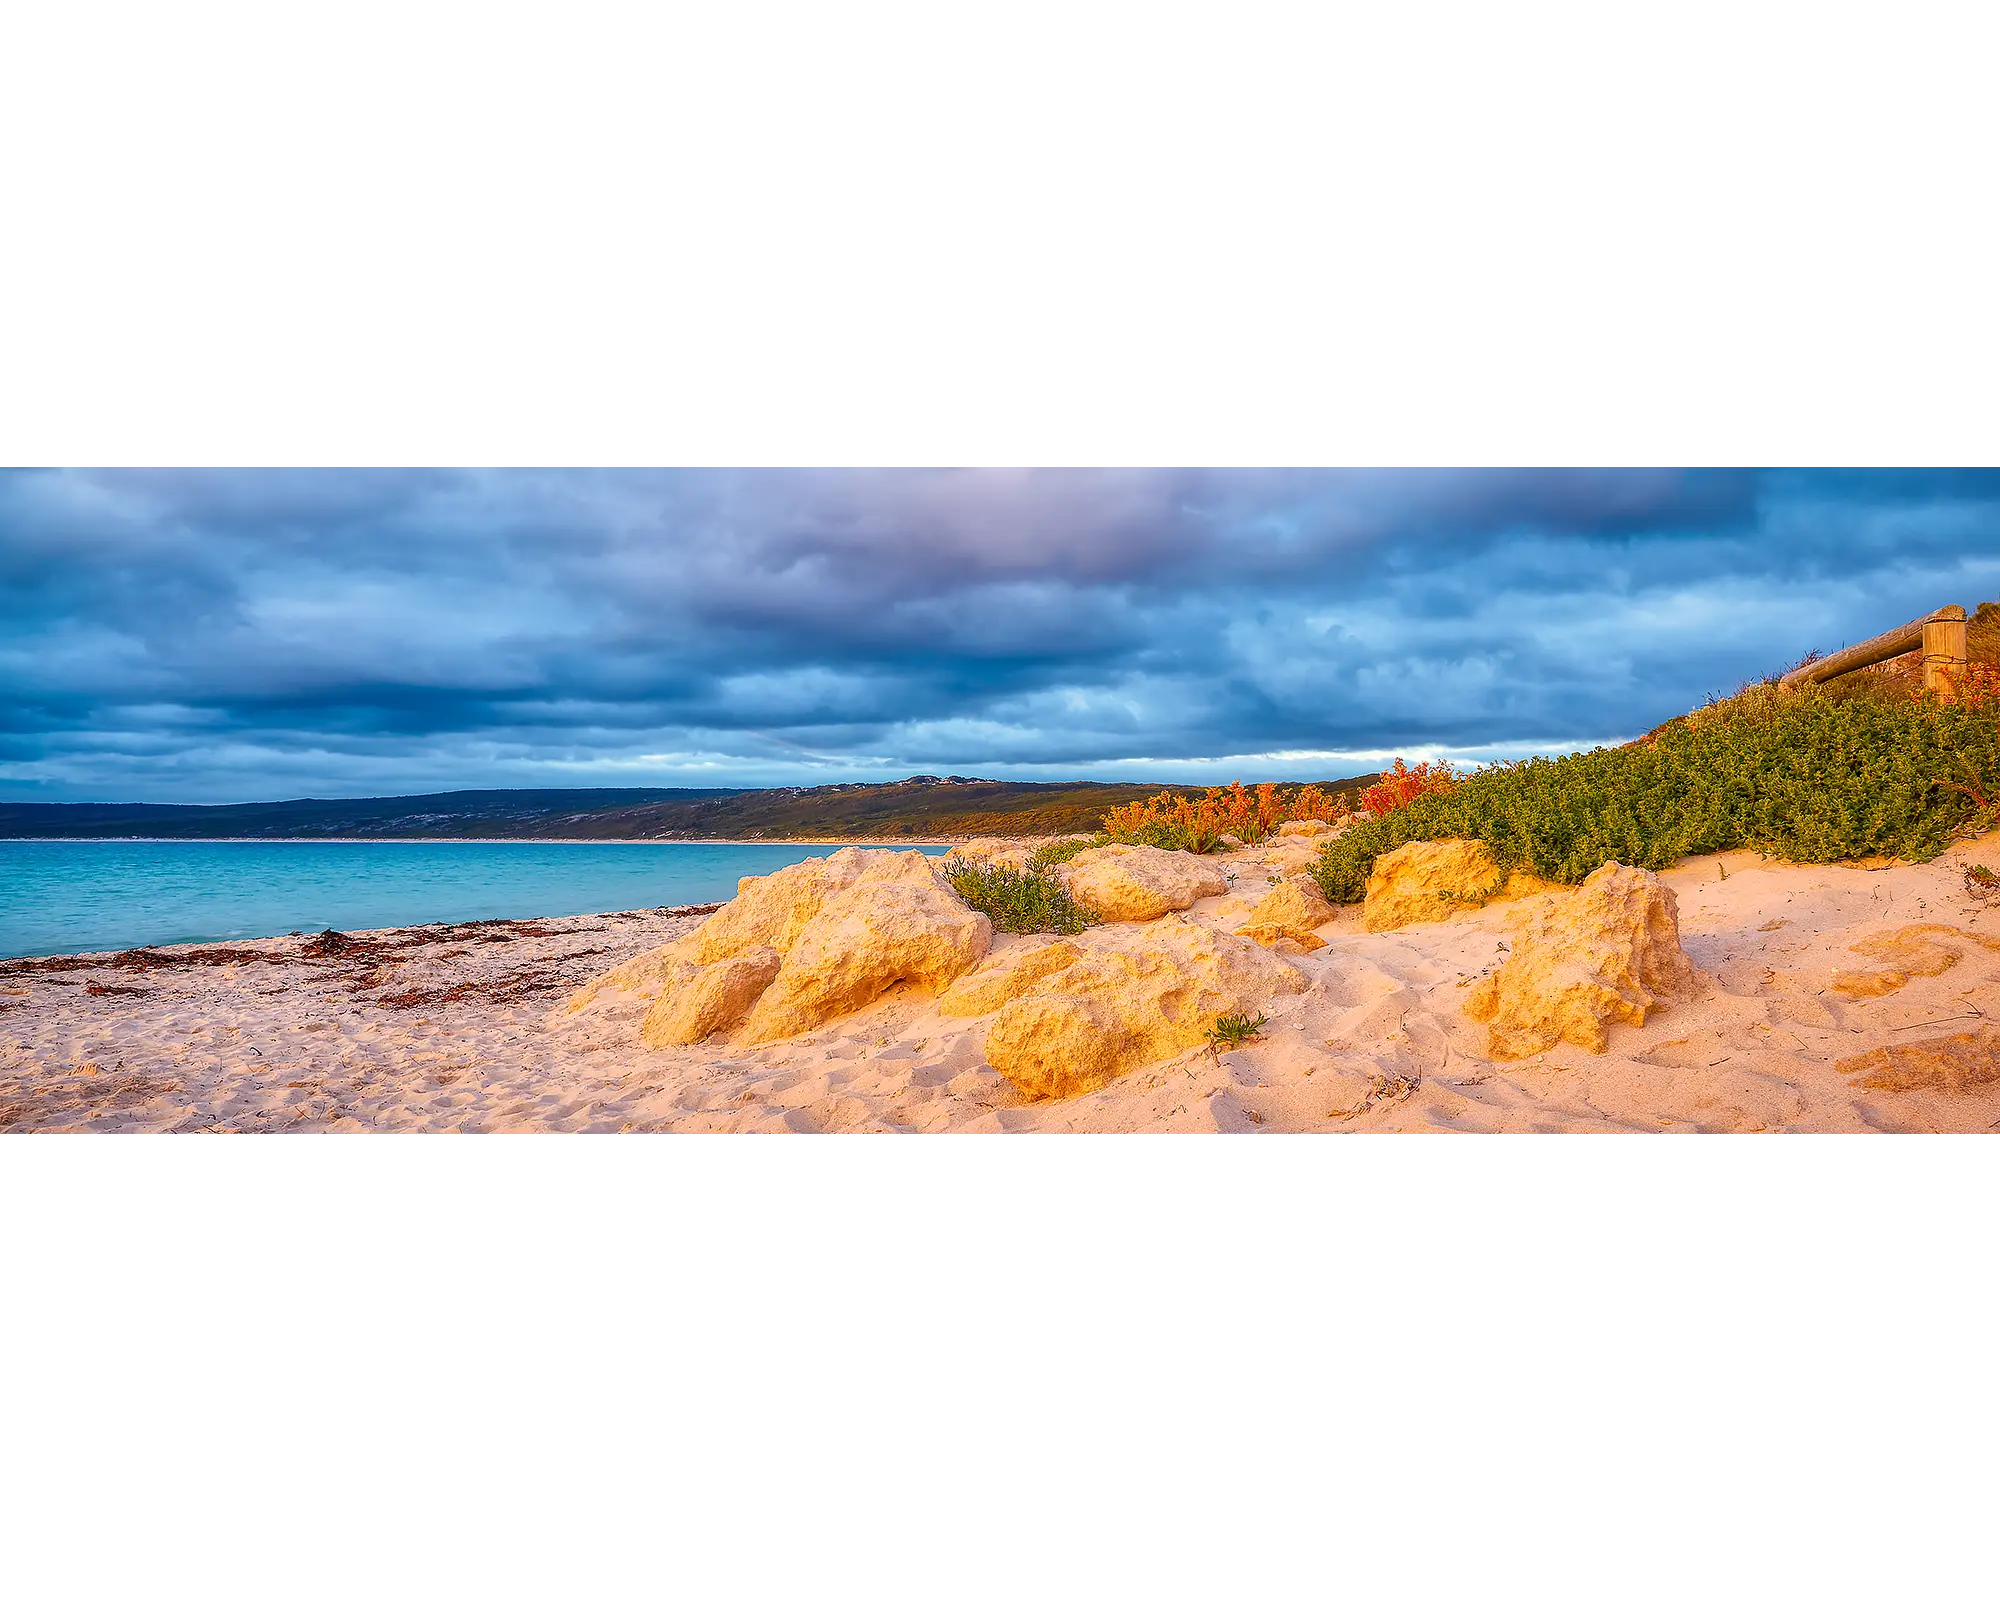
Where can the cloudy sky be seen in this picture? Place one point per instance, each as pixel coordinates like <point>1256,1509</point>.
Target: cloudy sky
<point>254,635</point>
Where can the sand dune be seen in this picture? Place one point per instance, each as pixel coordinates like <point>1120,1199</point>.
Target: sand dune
<point>1791,1028</point>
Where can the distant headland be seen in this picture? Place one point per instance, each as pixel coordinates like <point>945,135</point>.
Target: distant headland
<point>919,807</point>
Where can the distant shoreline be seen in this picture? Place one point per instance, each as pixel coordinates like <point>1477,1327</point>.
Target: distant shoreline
<point>872,841</point>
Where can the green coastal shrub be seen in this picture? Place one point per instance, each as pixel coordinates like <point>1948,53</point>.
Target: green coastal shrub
<point>1804,776</point>
<point>1054,855</point>
<point>1034,901</point>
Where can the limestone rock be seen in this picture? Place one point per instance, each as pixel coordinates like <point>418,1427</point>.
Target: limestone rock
<point>1285,858</point>
<point>708,999</point>
<point>1290,911</point>
<point>994,852</point>
<point>1011,972</point>
<point>1428,881</point>
<point>1312,828</point>
<point>1134,996</point>
<point>775,910</point>
<point>1957,1065</point>
<point>1137,883</point>
<point>1609,952</point>
<point>648,974</point>
<point>873,934</point>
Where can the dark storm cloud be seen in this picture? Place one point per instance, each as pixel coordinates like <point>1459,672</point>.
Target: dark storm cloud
<point>234,635</point>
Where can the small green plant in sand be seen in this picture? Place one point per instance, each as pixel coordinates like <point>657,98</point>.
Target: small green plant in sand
<point>1239,1027</point>
<point>1033,901</point>
<point>1054,855</point>
<point>1802,775</point>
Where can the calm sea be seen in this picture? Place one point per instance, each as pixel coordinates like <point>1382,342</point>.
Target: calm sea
<point>66,896</point>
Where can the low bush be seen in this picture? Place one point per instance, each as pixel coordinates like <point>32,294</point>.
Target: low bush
<point>1400,785</point>
<point>1054,855</point>
<point>1804,776</point>
<point>1033,901</point>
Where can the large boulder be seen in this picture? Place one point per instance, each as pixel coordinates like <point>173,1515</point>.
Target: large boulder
<point>857,921</point>
<point>1007,973</point>
<point>1290,911</point>
<point>709,999</point>
<point>864,939</point>
<point>775,910</point>
<point>1134,996</point>
<point>1137,883</point>
<point>1429,881</point>
<point>1609,952</point>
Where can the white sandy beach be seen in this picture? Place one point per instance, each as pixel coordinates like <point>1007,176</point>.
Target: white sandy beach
<point>465,1030</point>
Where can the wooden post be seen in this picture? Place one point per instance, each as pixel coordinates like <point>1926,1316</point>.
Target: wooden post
<point>1883,647</point>
<point>1944,652</point>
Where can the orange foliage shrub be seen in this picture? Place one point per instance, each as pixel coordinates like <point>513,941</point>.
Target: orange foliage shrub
<point>1980,686</point>
<point>1400,785</point>
<point>1314,804</point>
<point>1170,822</point>
<point>1250,814</point>
<point>1176,822</point>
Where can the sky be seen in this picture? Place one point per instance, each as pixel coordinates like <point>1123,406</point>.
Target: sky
<point>237,635</point>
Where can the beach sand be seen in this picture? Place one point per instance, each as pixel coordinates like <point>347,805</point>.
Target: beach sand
<point>464,1030</point>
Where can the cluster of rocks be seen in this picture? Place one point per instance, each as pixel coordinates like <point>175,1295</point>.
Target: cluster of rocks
<point>826,937</point>
<point>1607,951</point>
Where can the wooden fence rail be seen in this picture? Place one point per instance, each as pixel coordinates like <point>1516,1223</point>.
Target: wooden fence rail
<point>1941,636</point>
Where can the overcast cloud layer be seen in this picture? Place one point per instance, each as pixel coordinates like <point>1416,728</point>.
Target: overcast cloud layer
<point>252,635</point>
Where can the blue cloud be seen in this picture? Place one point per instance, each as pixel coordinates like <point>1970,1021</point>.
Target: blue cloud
<point>253,635</point>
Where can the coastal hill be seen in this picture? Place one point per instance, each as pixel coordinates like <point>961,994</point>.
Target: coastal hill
<point>914,808</point>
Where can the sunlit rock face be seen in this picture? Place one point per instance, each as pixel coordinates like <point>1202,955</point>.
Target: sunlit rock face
<point>1610,951</point>
<point>1290,912</point>
<point>1428,881</point>
<point>802,945</point>
<point>1137,883</point>
<point>1134,996</point>
<point>864,940</point>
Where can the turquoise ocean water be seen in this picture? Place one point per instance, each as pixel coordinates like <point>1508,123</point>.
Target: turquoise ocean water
<point>64,896</point>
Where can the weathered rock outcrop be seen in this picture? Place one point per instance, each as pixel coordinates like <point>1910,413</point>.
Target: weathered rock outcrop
<point>707,999</point>
<point>1134,996</point>
<point>1290,911</point>
<point>1608,952</point>
<point>804,944</point>
<point>1312,828</point>
<point>863,940</point>
<point>775,910</point>
<point>1137,883</point>
<point>1429,881</point>
<point>1008,973</point>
